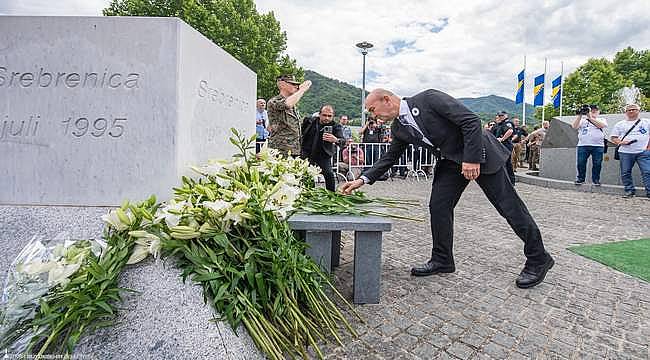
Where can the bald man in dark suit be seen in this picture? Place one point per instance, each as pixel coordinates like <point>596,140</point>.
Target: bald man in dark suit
<point>466,152</point>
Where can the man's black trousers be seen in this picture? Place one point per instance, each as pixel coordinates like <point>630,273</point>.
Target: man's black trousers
<point>449,184</point>
<point>326,167</point>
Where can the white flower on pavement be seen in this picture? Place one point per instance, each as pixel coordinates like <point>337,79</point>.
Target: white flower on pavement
<point>145,244</point>
<point>114,220</point>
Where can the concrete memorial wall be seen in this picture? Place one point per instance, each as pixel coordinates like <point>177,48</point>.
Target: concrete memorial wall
<point>558,155</point>
<point>95,110</point>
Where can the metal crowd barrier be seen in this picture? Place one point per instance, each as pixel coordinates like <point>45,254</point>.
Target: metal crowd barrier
<point>415,162</point>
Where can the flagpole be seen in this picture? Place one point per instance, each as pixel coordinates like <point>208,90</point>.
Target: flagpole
<point>523,108</point>
<point>543,89</point>
<point>561,84</point>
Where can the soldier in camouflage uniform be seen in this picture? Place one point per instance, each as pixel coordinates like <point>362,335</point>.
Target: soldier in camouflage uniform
<point>535,140</point>
<point>284,119</point>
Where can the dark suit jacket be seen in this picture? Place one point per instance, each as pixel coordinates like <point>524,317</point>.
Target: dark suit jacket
<point>311,136</point>
<point>455,132</point>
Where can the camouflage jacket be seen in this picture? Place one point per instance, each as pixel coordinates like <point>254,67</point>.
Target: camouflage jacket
<point>285,126</point>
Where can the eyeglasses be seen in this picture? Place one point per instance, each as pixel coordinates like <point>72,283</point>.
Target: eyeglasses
<point>630,110</point>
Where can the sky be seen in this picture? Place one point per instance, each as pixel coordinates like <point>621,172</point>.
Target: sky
<point>465,48</point>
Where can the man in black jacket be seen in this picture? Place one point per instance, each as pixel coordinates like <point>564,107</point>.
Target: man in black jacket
<point>319,136</point>
<point>436,120</point>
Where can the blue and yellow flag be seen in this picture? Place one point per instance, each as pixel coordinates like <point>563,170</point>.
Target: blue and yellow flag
<point>538,91</point>
<point>556,93</point>
<point>519,97</point>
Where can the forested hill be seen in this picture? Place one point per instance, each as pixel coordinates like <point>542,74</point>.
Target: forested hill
<point>346,99</point>
<point>488,106</point>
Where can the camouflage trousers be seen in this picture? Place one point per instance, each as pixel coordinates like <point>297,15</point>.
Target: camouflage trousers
<point>533,162</point>
<point>517,158</point>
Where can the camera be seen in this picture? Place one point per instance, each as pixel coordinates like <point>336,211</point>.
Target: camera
<point>327,129</point>
<point>583,110</point>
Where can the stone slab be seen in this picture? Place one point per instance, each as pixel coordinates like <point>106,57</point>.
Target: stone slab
<point>560,164</point>
<point>95,110</point>
<point>339,222</point>
<point>166,319</point>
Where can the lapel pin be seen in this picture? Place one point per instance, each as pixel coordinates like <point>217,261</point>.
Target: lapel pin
<point>415,111</point>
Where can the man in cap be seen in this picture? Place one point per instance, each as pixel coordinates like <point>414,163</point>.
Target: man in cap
<point>283,116</point>
<point>503,131</point>
<point>435,120</point>
<point>632,137</point>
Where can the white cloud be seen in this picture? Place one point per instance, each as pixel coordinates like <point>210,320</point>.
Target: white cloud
<point>478,52</point>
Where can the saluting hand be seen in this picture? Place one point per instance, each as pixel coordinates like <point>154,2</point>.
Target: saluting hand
<point>305,85</point>
<point>471,171</point>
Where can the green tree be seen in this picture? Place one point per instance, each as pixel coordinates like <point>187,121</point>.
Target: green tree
<point>549,112</point>
<point>593,83</point>
<point>235,25</point>
<point>634,65</point>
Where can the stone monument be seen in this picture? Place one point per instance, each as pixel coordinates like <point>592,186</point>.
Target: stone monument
<point>97,110</point>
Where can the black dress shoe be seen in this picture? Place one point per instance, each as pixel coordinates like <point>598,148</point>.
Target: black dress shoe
<point>533,275</point>
<point>430,268</point>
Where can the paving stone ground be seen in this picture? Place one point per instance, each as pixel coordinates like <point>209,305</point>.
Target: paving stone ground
<point>584,310</point>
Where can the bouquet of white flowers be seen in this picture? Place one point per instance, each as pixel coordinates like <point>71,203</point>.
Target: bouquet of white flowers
<point>227,229</point>
<point>43,266</point>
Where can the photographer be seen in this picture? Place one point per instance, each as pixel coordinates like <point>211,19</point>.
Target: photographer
<point>591,142</point>
<point>370,135</point>
<point>320,135</point>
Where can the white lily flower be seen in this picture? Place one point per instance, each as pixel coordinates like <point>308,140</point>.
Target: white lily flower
<point>235,215</point>
<point>240,197</point>
<point>268,153</point>
<point>171,219</point>
<point>313,170</point>
<point>218,206</point>
<point>60,274</point>
<point>113,220</point>
<point>139,253</point>
<point>286,195</point>
<point>289,179</point>
<point>145,245</point>
<point>282,212</point>
<point>222,182</point>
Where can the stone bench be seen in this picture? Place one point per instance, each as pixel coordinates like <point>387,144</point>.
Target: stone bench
<point>323,235</point>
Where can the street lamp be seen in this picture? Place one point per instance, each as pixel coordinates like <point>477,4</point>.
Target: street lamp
<point>364,46</point>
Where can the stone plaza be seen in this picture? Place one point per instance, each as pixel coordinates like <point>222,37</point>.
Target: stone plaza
<point>583,310</point>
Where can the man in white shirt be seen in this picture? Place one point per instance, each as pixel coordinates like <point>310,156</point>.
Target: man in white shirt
<point>591,135</point>
<point>633,138</point>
